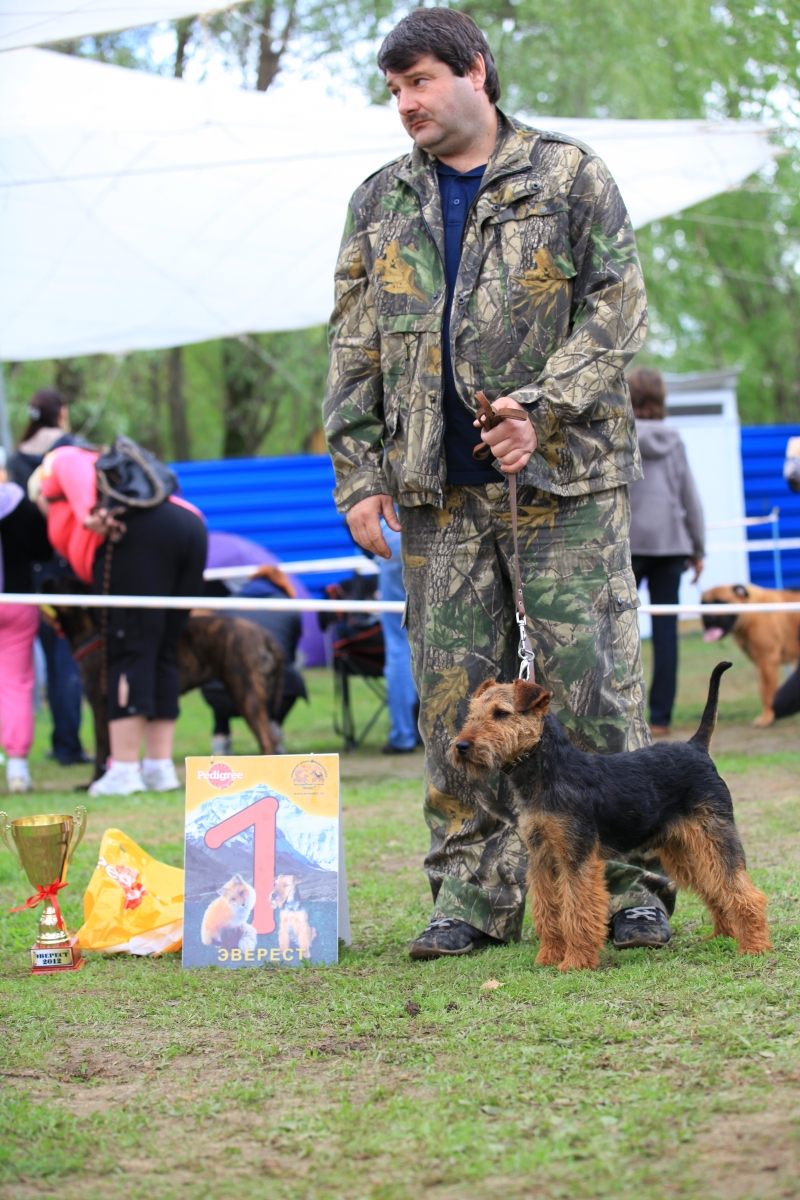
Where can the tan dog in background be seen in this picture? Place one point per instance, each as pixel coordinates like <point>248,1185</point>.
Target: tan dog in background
<point>295,926</point>
<point>768,639</point>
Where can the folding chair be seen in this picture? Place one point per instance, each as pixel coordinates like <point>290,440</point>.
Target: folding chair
<point>358,653</point>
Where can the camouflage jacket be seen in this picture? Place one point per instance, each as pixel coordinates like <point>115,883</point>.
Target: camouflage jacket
<point>549,307</point>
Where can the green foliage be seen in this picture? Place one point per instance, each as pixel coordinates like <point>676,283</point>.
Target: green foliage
<point>130,395</point>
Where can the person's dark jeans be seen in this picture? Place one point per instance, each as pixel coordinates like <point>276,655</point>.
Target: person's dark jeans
<point>663,575</point>
<point>64,696</point>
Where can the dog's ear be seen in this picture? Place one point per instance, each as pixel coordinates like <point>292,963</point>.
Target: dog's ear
<point>529,696</point>
<point>741,591</point>
<point>484,687</point>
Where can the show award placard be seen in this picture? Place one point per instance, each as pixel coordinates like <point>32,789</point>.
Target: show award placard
<point>265,877</point>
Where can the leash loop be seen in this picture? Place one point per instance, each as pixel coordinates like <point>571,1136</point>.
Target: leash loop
<point>489,418</point>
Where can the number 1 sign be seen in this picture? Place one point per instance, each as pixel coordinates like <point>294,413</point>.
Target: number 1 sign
<point>265,881</point>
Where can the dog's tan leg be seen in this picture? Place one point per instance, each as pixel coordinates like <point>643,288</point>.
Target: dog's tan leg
<point>283,934</point>
<point>584,914</point>
<point>697,856</point>
<point>768,669</point>
<point>545,906</point>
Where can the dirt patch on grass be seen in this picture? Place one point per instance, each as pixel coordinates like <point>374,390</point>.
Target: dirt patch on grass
<point>753,1156</point>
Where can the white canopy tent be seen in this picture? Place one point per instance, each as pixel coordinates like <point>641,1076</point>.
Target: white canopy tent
<point>36,22</point>
<point>140,212</point>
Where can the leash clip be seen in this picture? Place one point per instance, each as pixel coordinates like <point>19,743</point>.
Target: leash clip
<point>525,652</point>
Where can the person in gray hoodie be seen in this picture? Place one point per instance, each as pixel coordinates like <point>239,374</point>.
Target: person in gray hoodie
<point>667,531</point>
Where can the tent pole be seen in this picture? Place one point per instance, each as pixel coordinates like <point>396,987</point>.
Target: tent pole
<point>5,428</point>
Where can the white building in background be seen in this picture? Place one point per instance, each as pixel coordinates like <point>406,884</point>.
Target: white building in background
<point>703,407</point>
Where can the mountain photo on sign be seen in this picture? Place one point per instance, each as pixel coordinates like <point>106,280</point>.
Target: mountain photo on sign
<point>261,866</point>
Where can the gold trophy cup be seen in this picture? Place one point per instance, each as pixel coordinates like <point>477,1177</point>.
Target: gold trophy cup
<point>44,847</point>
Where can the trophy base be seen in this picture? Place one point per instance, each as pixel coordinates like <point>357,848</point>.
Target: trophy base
<point>52,960</point>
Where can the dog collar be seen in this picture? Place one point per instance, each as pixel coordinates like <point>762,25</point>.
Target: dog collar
<point>508,767</point>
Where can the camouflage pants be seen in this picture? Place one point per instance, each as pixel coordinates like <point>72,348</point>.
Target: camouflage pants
<point>581,600</point>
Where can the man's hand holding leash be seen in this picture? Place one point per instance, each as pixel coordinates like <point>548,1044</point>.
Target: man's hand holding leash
<point>511,442</point>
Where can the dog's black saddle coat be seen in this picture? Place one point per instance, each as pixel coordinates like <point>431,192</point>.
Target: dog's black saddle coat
<point>621,802</point>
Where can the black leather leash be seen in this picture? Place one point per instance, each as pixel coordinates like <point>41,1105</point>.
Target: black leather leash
<point>489,418</point>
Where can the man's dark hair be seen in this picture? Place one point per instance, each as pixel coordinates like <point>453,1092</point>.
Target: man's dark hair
<point>648,394</point>
<point>446,34</point>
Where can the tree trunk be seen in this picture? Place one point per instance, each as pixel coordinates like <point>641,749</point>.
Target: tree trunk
<point>154,432</point>
<point>177,405</point>
<point>183,31</point>
<point>69,379</point>
<point>269,59</point>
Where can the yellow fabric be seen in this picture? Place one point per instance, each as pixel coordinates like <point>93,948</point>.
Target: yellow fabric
<point>133,903</point>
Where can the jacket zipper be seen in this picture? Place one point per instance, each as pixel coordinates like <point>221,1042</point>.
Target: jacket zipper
<point>429,231</point>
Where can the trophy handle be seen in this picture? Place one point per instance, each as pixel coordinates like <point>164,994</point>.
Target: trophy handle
<point>80,829</point>
<point>5,834</point>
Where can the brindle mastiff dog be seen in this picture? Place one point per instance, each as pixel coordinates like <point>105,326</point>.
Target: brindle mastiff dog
<point>237,652</point>
<point>768,639</point>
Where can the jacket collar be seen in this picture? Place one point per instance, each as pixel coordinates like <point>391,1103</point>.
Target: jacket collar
<point>510,155</point>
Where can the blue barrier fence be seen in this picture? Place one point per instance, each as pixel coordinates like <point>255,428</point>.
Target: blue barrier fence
<point>285,504</point>
<point>763,453</point>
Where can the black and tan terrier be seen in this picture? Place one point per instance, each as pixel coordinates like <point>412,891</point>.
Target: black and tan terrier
<point>578,810</point>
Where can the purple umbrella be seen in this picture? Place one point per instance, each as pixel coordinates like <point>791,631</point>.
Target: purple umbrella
<point>230,550</point>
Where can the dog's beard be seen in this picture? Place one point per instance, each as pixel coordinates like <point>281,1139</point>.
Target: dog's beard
<point>477,763</point>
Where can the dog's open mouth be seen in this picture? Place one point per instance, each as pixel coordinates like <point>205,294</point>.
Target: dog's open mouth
<point>717,625</point>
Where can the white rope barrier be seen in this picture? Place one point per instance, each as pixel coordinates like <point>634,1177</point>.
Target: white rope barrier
<point>253,604</point>
<point>359,563</point>
<point>738,522</point>
<point>756,547</point>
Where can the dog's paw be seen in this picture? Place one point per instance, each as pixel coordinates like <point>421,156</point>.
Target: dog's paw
<point>766,719</point>
<point>580,962</point>
<point>550,956</point>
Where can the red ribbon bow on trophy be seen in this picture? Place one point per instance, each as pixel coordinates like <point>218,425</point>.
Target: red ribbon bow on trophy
<point>44,893</point>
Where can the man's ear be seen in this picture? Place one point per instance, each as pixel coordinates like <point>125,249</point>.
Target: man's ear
<point>484,687</point>
<point>530,696</point>
<point>741,591</point>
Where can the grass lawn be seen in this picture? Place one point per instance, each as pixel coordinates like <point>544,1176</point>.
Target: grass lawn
<point>663,1074</point>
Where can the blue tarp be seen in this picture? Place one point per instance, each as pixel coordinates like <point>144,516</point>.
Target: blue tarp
<point>284,504</point>
<point>763,453</point>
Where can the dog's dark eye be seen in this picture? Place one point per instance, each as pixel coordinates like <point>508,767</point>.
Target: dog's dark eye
<point>500,713</point>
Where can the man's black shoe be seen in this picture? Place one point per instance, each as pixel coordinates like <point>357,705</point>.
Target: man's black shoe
<point>447,935</point>
<point>390,748</point>
<point>640,927</point>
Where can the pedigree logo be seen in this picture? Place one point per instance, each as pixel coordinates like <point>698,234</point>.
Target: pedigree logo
<point>220,775</point>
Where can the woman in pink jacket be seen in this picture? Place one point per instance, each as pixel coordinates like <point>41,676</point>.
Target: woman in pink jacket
<point>23,541</point>
<point>161,552</point>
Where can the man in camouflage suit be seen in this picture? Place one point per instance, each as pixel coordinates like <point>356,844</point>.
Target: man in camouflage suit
<point>501,259</point>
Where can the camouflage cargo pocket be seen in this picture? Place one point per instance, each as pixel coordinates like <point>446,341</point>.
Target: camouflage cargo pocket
<point>623,603</point>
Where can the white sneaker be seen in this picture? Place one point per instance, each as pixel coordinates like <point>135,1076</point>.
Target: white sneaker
<point>221,743</point>
<point>120,779</point>
<point>158,775</point>
<point>18,777</point>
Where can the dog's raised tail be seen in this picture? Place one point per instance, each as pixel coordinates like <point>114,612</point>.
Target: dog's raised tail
<point>708,720</point>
